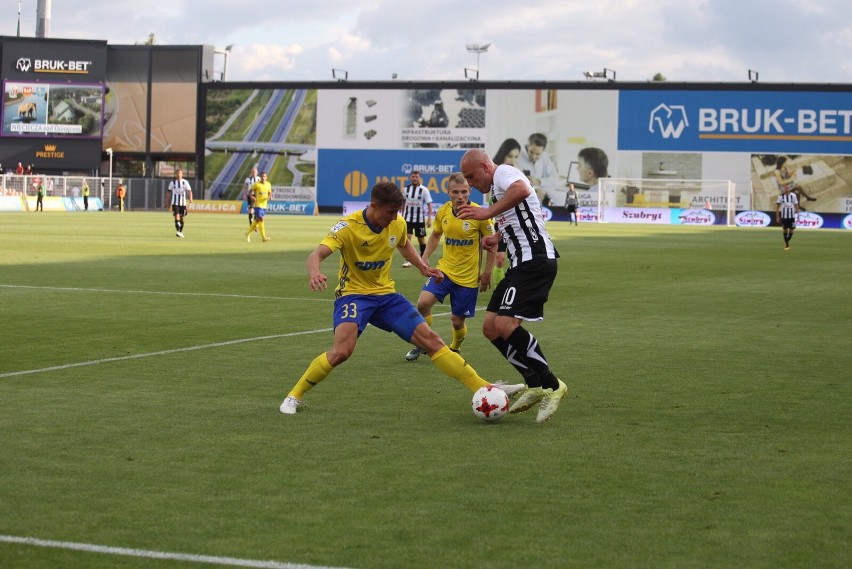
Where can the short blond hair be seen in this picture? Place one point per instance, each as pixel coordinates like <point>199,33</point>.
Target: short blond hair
<point>456,178</point>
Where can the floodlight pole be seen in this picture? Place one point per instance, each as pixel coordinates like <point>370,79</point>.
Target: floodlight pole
<point>478,49</point>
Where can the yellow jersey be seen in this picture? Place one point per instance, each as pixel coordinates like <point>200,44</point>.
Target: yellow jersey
<point>261,191</point>
<point>366,254</point>
<point>461,255</point>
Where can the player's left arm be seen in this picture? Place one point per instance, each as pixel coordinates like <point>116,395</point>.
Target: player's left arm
<point>490,257</point>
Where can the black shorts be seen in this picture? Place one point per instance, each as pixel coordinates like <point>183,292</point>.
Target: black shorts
<point>524,290</point>
<point>788,222</point>
<point>179,210</point>
<point>418,229</point>
<point>501,246</point>
<point>571,208</point>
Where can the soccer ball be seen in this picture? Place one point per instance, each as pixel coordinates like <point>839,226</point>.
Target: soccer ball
<point>490,403</point>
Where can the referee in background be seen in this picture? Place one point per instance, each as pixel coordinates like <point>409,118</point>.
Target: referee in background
<point>786,210</point>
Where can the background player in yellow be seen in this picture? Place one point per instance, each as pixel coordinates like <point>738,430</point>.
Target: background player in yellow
<point>366,294</point>
<point>259,195</point>
<point>460,263</point>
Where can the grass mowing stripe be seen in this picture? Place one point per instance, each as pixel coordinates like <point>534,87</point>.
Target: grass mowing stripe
<point>161,353</point>
<point>166,293</point>
<point>148,554</point>
<point>166,352</point>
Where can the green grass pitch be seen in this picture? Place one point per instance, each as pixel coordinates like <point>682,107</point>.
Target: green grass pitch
<point>707,424</point>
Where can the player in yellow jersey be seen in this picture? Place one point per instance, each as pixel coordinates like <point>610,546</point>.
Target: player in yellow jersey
<point>459,263</point>
<point>259,194</point>
<point>366,294</point>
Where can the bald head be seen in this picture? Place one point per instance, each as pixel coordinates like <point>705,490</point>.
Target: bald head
<point>478,169</point>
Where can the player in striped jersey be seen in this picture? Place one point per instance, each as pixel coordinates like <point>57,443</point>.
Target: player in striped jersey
<point>532,269</point>
<point>246,195</point>
<point>459,263</point>
<point>365,293</point>
<point>178,197</point>
<point>786,210</point>
<point>417,211</point>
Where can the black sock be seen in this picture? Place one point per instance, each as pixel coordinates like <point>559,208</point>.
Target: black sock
<point>525,343</point>
<point>518,361</point>
<point>422,248</point>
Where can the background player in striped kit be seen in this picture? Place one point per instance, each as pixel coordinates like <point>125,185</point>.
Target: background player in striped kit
<point>786,210</point>
<point>178,196</point>
<point>246,195</point>
<point>418,210</point>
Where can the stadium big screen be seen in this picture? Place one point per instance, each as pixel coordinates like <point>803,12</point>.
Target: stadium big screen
<point>53,103</point>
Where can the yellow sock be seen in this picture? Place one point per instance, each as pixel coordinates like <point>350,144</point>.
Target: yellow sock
<point>458,337</point>
<point>251,227</point>
<point>316,372</point>
<point>428,320</point>
<point>497,275</point>
<point>454,366</point>
<point>262,227</point>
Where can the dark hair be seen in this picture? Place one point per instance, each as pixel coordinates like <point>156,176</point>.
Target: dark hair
<point>508,145</point>
<point>596,159</point>
<point>387,193</point>
<point>780,162</point>
<point>538,139</point>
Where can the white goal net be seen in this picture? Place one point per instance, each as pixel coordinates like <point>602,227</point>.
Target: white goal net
<point>690,202</point>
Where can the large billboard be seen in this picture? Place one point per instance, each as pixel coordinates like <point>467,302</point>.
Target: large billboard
<point>163,81</point>
<point>668,141</point>
<point>53,109</point>
<point>53,103</point>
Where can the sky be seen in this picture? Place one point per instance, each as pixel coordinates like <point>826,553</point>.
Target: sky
<point>426,40</point>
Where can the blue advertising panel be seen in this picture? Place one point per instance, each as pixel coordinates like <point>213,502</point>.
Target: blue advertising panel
<point>735,121</point>
<point>347,175</point>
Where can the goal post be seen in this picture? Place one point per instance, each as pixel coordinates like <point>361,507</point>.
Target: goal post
<point>665,201</point>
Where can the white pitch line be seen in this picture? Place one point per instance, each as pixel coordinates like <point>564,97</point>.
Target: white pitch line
<point>166,293</point>
<point>160,353</point>
<point>148,554</point>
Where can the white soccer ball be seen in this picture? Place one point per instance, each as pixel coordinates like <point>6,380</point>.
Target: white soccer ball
<point>490,403</point>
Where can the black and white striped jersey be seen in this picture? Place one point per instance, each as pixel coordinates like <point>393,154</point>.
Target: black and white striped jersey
<point>522,227</point>
<point>787,202</point>
<point>250,181</point>
<point>416,200</point>
<point>179,189</point>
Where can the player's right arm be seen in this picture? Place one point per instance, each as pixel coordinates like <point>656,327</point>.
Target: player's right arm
<point>316,280</point>
<point>432,243</point>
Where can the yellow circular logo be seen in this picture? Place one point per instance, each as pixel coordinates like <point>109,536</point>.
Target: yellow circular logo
<point>356,184</point>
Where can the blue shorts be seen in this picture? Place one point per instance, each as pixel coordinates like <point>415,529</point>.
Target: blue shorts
<point>259,212</point>
<point>462,298</point>
<point>390,312</point>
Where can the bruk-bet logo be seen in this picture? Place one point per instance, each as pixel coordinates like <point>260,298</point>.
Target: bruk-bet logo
<point>668,120</point>
<point>23,64</point>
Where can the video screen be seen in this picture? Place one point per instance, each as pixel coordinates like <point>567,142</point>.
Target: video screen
<point>33,109</point>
